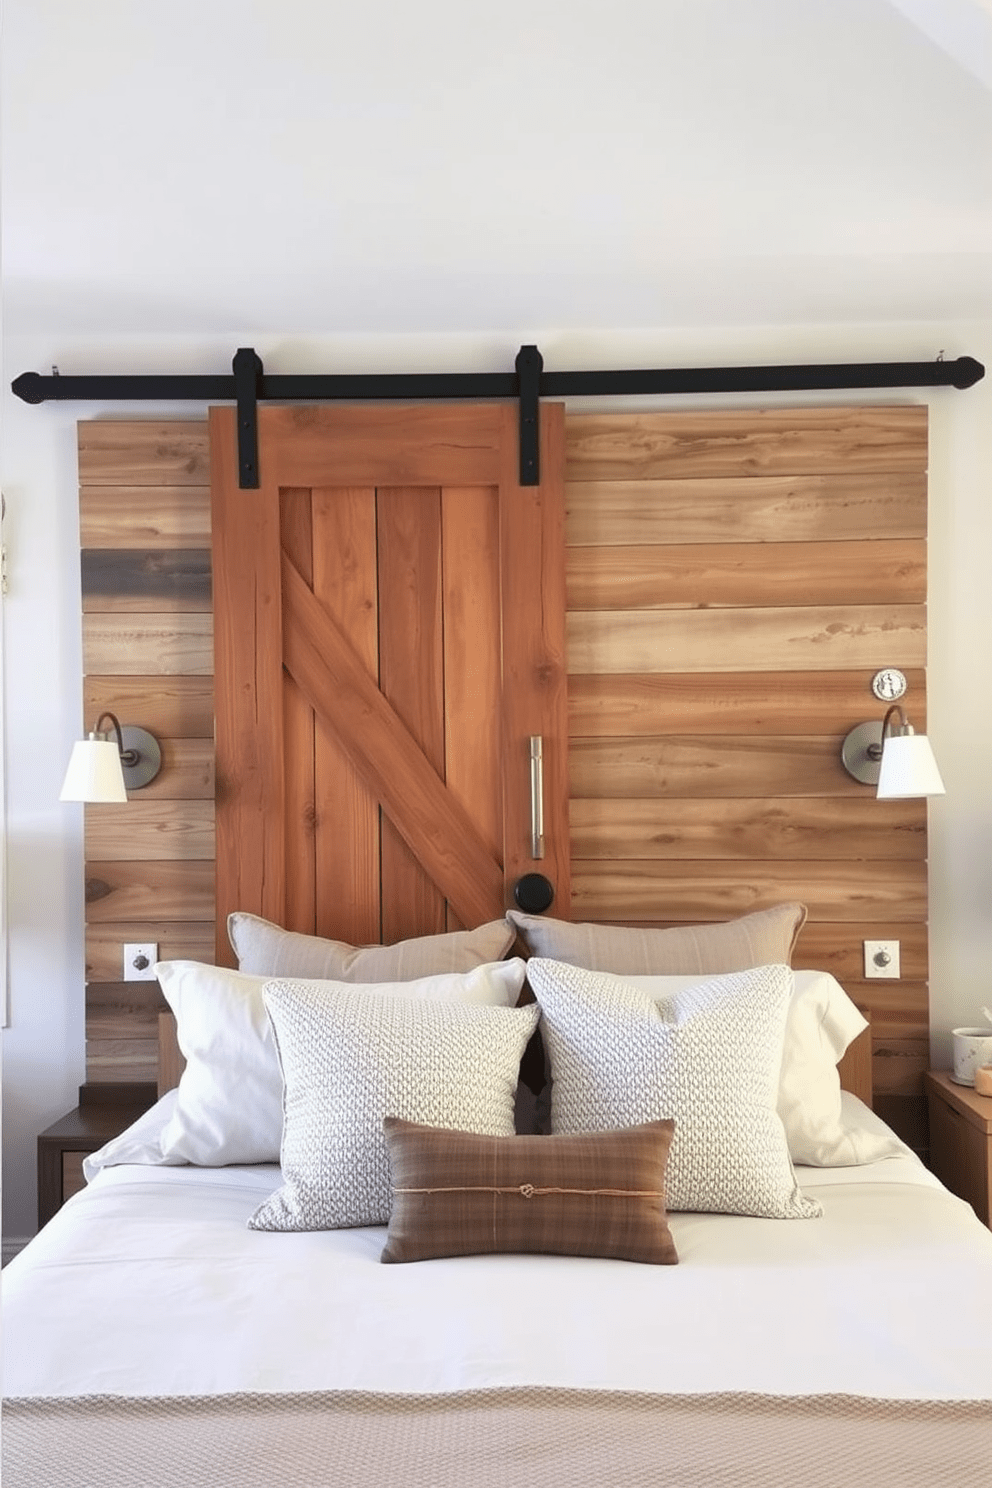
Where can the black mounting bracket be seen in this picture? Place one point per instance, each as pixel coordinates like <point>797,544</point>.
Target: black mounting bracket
<point>247,390</point>
<point>530,365</point>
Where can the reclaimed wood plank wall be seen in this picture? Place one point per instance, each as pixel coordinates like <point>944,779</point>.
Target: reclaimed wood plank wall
<point>734,582</point>
<point>144,509</point>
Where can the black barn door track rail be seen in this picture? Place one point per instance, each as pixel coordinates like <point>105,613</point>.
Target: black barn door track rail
<point>249,384</point>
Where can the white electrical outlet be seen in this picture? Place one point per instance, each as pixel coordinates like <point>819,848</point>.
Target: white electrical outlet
<point>139,961</point>
<point>881,958</point>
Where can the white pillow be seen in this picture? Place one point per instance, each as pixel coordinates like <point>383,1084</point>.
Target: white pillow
<point>822,1021</point>
<point>229,1107</point>
<point>349,1061</point>
<point>141,1142</point>
<point>709,1056</point>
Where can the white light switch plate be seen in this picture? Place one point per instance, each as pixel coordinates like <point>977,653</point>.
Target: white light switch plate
<point>881,958</point>
<point>139,961</point>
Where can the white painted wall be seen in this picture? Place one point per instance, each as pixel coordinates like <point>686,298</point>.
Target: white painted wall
<point>428,187</point>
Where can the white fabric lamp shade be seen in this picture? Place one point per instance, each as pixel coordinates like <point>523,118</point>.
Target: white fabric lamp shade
<point>94,772</point>
<point>908,768</point>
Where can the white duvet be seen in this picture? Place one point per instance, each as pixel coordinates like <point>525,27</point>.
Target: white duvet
<point>150,1283</point>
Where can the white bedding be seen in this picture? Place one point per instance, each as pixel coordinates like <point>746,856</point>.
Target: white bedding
<point>150,1283</point>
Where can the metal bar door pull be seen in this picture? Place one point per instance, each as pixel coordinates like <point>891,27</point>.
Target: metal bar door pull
<point>536,796</point>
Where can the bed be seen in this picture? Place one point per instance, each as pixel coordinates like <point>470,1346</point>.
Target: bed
<point>185,1322</point>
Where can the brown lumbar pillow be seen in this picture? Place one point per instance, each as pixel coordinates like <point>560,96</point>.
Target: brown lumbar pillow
<point>581,1194</point>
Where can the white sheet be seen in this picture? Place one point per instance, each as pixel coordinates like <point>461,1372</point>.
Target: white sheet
<point>150,1283</point>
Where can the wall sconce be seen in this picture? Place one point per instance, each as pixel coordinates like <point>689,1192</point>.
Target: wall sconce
<point>900,761</point>
<point>105,769</point>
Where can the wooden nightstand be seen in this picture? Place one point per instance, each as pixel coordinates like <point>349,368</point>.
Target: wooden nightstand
<point>103,1112</point>
<point>961,1140</point>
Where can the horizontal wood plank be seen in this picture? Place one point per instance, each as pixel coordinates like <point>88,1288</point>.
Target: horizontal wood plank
<point>152,830</point>
<point>717,575</point>
<point>122,1010</point>
<point>187,772</point>
<point>145,580</point>
<point>147,890</point>
<point>145,452</point>
<point>350,445</point>
<point>148,645</point>
<point>631,703</point>
<point>741,509</point>
<point>817,638</point>
<point>861,828</point>
<point>874,438</point>
<point>645,890</point>
<point>838,947</point>
<point>898,1065</point>
<point>173,707</point>
<point>121,1061</point>
<point>176,942</point>
<point>144,516</point>
<point>710,766</point>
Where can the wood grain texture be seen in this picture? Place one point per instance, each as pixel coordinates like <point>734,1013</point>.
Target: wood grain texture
<point>714,575</point>
<point>145,580</point>
<point>837,948</point>
<point>386,445</point>
<point>187,772</point>
<point>146,452</point>
<point>868,438</point>
<point>148,830</point>
<point>814,638</point>
<point>746,509</point>
<point>710,767</point>
<point>732,703</point>
<point>858,828</point>
<point>176,942</point>
<point>121,1010</point>
<point>148,645</point>
<point>472,676</point>
<point>248,690</point>
<point>348,851</point>
<point>122,516</point>
<point>388,759</point>
<point>535,701</point>
<point>149,888</point>
<point>696,891</point>
<point>411,677</point>
<point>176,707</point>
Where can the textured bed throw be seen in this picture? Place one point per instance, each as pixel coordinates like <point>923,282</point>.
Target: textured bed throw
<point>495,1439</point>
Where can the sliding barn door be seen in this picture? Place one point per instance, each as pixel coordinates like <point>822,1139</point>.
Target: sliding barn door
<point>389,635</point>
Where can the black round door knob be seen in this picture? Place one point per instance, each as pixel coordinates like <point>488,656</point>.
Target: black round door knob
<point>533,893</point>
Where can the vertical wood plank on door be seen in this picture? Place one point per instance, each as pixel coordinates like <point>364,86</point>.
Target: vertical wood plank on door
<point>470,577</point>
<point>248,642</point>
<point>346,812</point>
<point>411,676</point>
<point>532,561</point>
<point>296,536</point>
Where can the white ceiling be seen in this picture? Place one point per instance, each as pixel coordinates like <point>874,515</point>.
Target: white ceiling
<point>213,166</point>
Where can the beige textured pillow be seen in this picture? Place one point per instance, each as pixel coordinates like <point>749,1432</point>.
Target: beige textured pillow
<point>264,949</point>
<point>709,1057</point>
<point>590,1194</point>
<point>764,938</point>
<point>350,1060</point>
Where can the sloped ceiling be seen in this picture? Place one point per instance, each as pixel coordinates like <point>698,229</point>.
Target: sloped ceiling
<point>453,165</point>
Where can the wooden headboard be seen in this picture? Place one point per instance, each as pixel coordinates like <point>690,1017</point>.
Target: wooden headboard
<point>854,1069</point>
<point>734,579</point>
